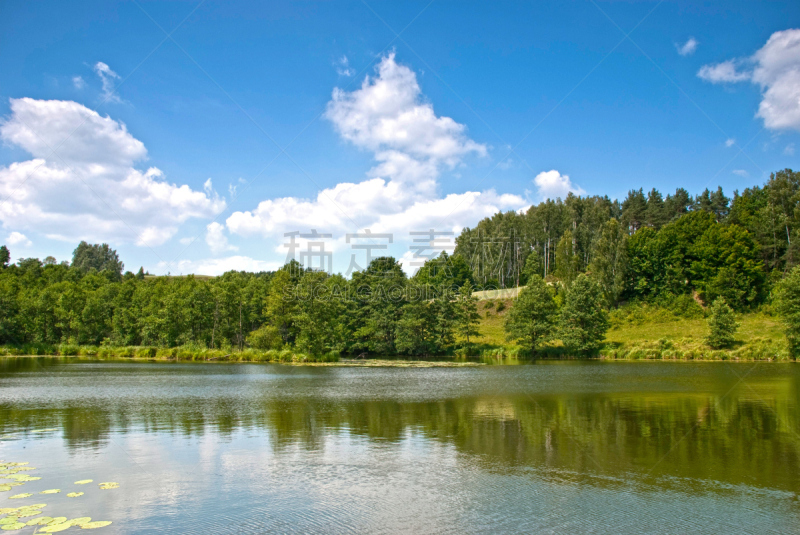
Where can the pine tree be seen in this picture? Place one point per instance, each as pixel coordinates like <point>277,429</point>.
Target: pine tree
<point>5,256</point>
<point>722,325</point>
<point>532,318</point>
<point>584,321</point>
<point>467,317</point>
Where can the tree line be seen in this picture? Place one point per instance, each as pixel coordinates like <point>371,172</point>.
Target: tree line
<point>578,258</point>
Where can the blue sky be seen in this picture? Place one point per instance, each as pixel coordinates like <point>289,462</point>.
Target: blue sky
<point>474,108</point>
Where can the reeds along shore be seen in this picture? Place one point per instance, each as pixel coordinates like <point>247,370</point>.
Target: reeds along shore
<point>758,349</point>
<point>186,353</point>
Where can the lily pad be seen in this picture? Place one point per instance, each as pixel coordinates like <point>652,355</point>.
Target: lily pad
<point>50,491</point>
<point>8,520</point>
<point>41,521</point>
<point>57,520</point>
<point>74,494</point>
<point>28,514</point>
<point>80,520</point>
<point>55,527</point>
<point>13,527</point>
<point>35,506</point>
<point>84,481</point>
<point>96,524</point>
<point>109,485</point>
<point>17,496</point>
<point>6,510</point>
<point>4,488</point>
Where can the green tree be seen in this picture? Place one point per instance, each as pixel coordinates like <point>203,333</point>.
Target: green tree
<point>532,318</point>
<point>282,307</point>
<point>787,304</point>
<point>5,256</point>
<point>722,325</point>
<point>584,321</point>
<point>467,317</point>
<point>610,260</point>
<point>533,267</point>
<point>634,210</point>
<point>101,258</point>
<point>566,259</point>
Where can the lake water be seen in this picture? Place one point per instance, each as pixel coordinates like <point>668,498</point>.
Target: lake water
<point>552,447</point>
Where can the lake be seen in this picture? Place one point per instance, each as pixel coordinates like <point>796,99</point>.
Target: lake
<point>550,447</point>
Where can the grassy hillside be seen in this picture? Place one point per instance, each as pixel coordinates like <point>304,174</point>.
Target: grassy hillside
<point>644,332</point>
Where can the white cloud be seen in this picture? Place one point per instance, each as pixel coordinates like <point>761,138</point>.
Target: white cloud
<point>552,185</point>
<point>741,172</point>
<point>78,82</point>
<point>730,142</point>
<point>218,266</point>
<point>107,77</point>
<point>776,69</point>
<point>216,239</point>
<point>343,67</point>
<point>387,113</point>
<point>722,72</point>
<point>89,187</point>
<point>410,144</point>
<point>789,150</point>
<point>17,238</point>
<point>687,48</point>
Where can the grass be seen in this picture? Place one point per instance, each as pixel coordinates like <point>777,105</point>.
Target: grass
<point>182,353</point>
<point>645,332</point>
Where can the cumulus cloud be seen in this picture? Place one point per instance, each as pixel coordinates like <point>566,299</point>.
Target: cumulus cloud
<point>552,185</point>
<point>687,48</point>
<point>789,150</point>
<point>107,77</point>
<point>722,72</point>
<point>730,142</point>
<point>17,238</point>
<point>410,144</point>
<point>387,113</point>
<point>82,182</point>
<point>216,239</point>
<point>78,82</point>
<point>776,69</point>
<point>741,173</point>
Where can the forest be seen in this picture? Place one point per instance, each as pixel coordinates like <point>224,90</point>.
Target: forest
<point>579,258</point>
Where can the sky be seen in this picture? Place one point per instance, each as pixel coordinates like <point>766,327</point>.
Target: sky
<point>201,137</point>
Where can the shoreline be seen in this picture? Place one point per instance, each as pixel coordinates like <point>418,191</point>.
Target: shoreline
<point>454,362</point>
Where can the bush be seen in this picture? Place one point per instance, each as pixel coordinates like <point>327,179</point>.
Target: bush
<point>265,337</point>
<point>722,325</point>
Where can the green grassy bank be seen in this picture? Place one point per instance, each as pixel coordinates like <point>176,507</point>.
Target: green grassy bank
<point>186,353</point>
<point>646,332</point>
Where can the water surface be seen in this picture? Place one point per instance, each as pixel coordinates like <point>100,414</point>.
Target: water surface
<point>579,447</point>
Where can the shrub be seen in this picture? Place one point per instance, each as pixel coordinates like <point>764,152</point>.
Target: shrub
<point>265,337</point>
<point>722,325</point>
